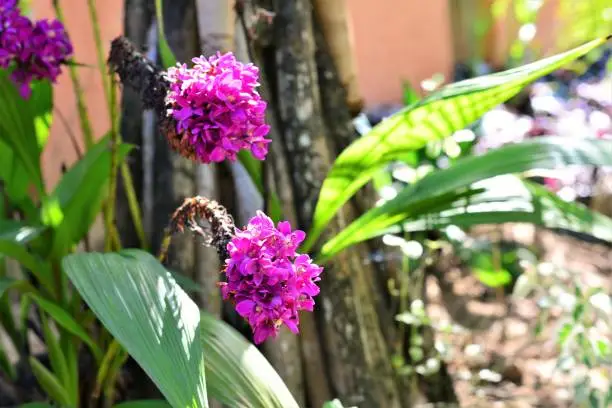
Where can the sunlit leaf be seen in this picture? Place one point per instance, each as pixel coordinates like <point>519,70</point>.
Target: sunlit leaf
<point>439,115</point>
<point>237,374</point>
<point>78,197</point>
<point>143,404</point>
<point>150,315</point>
<point>25,124</point>
<point>540,153</point>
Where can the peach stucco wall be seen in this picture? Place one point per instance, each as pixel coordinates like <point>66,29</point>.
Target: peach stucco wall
<point>59,149</point>
<point>399,40</point>
<point>394,40</point>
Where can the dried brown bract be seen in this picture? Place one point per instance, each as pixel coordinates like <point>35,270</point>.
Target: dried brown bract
<point>193,209</point>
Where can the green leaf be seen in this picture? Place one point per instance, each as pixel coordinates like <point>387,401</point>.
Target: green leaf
<point>167,56</point>
<point>18,252</point>
<point>452,108</point>
<point>150,315</point>
<point>49,383</point>
<point>237,374</point>
<point>64,319</point>
<point>253,168</point>
<point>13,173</point>
<point>540,153</point>
<point>5,364</point>
<point>24,124</point>
<point>56,357</point>
<point>18,232</point>
<point>333,404</point>
<point>409,95</point>
<point>7,283</point>
<point>143,404</point>
<point>487,272</point>
<point>79,195</point>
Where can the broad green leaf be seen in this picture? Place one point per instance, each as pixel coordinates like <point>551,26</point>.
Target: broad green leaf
<point>49,383</point>
<point>540,153</point>
<point>509,199</point>
<point>150,315</point>
<point>24,124</point>
<point>143,404</point>
<point>64,319</point>
<point>452,108</point>
<point>237,374</point>
<point>77,199</point>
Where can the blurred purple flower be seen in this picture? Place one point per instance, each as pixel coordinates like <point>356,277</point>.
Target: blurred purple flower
<point>217,107</point>
<point>268,281</point>
<point>37,50</point>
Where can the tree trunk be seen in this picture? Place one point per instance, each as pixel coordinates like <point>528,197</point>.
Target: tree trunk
<point>345,348</point>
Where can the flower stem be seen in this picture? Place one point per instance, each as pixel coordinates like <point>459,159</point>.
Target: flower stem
<point>86,129</point>
<point>93,14</point>
<point>128,183</point>
<point>109,216</point>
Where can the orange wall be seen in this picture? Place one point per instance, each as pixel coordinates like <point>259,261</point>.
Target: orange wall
<point>394,40</point>
<point>397,40</point>
<point>59,149</point>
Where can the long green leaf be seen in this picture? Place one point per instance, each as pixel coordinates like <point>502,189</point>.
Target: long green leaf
<point>57,358</point>
<point>167,56</point>
<point>18,252</point>
<point>540,153</point>
<point>143,404</point>
<point>150,315</point>
<point>237,374</point>
<point>438,116</point>
<point>18,232</point>
<point>5,364</point>
<point>7,283</point>
<point>64,319</point>
<point>15,176</point>
<point>24,124</point>
<point>510,199</point>
<point>78,197</point>
<point>253,168</point>
<point>49,383</point>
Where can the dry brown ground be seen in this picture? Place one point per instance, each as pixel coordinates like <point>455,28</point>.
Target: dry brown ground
<point>498,331</point>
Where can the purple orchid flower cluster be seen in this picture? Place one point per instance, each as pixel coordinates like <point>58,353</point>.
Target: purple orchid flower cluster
<point>216,106</point>
<point>267,279</point>
<point>36,50</point>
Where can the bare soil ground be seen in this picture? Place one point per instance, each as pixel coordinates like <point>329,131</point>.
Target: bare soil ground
<point>499,330</point>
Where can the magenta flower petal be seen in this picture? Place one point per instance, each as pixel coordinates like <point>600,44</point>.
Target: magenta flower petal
<point>245,308</point>
<point>269,281</point>
<point>218,93</point>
